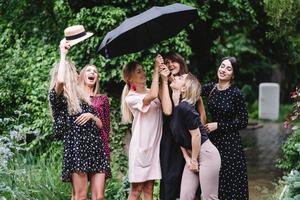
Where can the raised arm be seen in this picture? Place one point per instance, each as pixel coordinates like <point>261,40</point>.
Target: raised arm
<point>164,93</point>
<point>64,48</point>
<point>153,94</point>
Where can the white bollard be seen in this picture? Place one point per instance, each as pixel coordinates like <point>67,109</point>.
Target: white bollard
<point>269,101</point>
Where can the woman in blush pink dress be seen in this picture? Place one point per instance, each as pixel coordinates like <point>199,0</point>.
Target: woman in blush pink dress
<point>142,107</point>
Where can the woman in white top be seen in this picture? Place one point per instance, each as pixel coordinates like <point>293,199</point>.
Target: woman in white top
<point>142,107</point>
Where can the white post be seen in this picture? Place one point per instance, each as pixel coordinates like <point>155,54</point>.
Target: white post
<point>269,101</point>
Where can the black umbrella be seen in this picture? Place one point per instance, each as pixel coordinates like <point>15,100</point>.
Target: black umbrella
<point>144,30</point>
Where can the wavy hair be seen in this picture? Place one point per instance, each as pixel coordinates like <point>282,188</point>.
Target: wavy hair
<point>127,73</point>
<point>73,93</point>
<point>192,89</point>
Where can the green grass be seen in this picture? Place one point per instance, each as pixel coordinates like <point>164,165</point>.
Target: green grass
<point>30,177</point>
<point>284,109</point>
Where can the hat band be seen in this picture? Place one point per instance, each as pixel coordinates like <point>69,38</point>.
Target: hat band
<point>74,37</point>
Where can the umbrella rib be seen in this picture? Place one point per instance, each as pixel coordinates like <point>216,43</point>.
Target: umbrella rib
<point>149,33</point>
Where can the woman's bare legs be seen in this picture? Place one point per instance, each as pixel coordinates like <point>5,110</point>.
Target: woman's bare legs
<point>98,186</point>
<point>136,189</point>
<point>147,190</point>
<point>80,185</point>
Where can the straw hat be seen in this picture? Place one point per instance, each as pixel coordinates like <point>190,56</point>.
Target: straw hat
<point>75,34</point>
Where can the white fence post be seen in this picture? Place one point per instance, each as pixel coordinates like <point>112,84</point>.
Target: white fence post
<point>268,105</point>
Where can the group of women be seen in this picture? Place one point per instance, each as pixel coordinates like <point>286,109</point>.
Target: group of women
<point>171,140</point>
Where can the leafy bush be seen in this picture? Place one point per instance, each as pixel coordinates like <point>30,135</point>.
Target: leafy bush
<point>293,185</point>
<point>32,177</point>
<point>291,151</point>
<point>291,158</point>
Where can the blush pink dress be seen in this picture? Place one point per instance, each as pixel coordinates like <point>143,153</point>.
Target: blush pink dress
<point>144,163</point>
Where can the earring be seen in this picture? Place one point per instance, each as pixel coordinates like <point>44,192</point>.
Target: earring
<point>133,87</point>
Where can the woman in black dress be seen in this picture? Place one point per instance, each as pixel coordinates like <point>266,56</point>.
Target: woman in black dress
<point>229,114</point>
<point>77,122</point>
<point>171,158</point>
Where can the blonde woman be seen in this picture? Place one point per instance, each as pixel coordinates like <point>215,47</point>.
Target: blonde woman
<point>202,158</point>
<point>77,122</point>
<point>88,79</point>
<point>142,107</point>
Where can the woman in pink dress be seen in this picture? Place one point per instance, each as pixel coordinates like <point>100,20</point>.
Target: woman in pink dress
<point>142,107</point>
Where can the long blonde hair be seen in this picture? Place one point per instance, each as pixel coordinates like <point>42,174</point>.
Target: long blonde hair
<point>72,92</point>
<point>82,76</point>
<point>127,73</point>
<point>192,90</point>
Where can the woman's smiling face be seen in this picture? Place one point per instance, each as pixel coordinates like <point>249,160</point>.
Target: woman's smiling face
<point>173,66</point>
<point>225,71</point>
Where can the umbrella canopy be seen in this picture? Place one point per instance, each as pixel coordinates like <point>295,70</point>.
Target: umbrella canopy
<point>144,30</point>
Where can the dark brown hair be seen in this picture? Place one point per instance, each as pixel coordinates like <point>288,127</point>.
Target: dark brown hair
<point>176,57</point>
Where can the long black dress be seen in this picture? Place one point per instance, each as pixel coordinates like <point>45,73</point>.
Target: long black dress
<point>227,107</point>
<point>172,164</point>
<point>83,147</point>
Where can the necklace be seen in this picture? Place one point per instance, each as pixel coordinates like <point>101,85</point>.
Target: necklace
<point>224,87</point>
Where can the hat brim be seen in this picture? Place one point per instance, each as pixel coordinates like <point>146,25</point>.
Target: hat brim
<point>73,42</point>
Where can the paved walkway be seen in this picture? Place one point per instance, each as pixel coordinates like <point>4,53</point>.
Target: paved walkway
<point>262,151</point>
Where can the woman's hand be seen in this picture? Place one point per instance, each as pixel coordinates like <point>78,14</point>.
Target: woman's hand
<point>194,165</point>
<point>158,61</point>
<point>83,118</point>
<point>64,47</point>
<point>191,164</point>
<point>164,72</point>
<point>210,127</point>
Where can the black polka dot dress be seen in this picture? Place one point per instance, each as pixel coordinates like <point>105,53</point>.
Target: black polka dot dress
<point>83,147</point>
<point>227,107</point>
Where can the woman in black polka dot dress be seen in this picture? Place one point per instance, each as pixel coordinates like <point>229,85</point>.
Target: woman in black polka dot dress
<point>229,114</point>
<point>77,123</point>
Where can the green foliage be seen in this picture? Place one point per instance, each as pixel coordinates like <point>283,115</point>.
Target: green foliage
<point>291,152</point>
<point>31,18</point>
<point>284,110</point>
<point>31,32</point>
<point>284,20</point>
<point>117,136</point>
<point>293,185</point>
<point>32,177</point>
<point>253,110</point>
<point>290,157</point>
